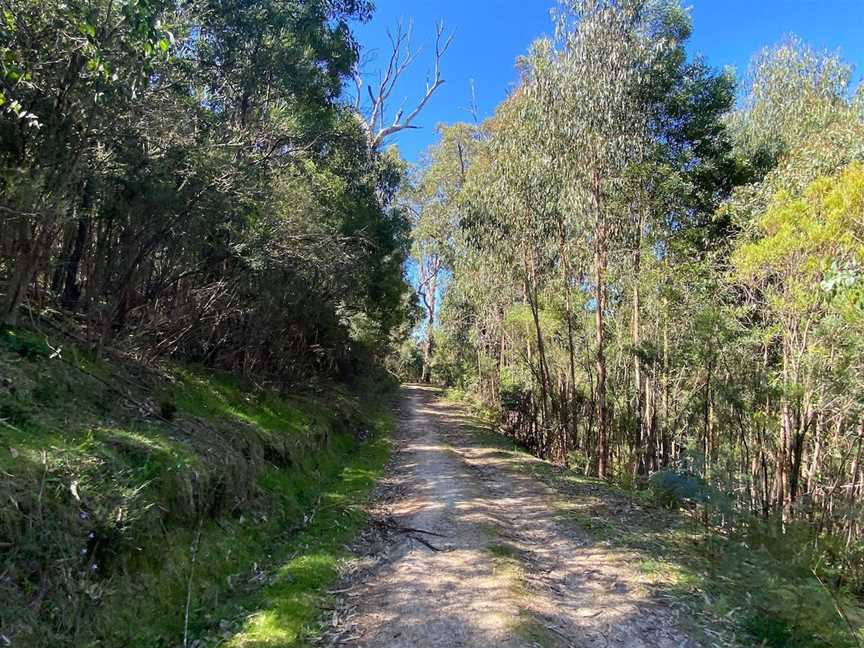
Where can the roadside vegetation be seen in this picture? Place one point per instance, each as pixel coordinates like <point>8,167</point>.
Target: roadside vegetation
<point>148,507</point>
<point>653,277</point>
<point>756,585</point>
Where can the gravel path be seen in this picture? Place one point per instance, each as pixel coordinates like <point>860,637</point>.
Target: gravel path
<point>466,551</point>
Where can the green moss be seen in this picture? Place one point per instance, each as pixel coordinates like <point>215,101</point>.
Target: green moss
<point>533,632</point>
<point>503,550</point>
<point>293,600</point>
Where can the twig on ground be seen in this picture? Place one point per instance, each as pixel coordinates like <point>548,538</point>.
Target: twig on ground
<point>390,523</point>
<point>412,530</point>
<point>424,542</point>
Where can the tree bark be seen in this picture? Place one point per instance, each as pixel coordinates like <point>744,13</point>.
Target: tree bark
<point>641,467</point>
<point>30,247</point>
<point>602,416</point>
<point>71,288</point>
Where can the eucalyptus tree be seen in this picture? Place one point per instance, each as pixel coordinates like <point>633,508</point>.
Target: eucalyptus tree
<point>543,211</point>
<point>433,199</point>
<point>805,269</point>
<point>784,263</point>
<point>374,113</point>
<point>518,224</point>
<point>793,92</point>
<point>686,169</point>
<point>596,129</point>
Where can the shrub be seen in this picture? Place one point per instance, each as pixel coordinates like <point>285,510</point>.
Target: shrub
<point>676,488</point>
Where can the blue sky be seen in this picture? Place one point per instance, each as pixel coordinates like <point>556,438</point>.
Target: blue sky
<point>490,34</point>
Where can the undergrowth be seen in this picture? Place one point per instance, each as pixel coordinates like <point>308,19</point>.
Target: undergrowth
<point>142,507</point>
<point>757,586</point>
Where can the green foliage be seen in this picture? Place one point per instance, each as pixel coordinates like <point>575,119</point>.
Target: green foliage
<point>407,363</point>
<point>804,238</point>
<point>674,488</point>
<point>644,271</point>
<point>205,193</point>
<point>26,346</point>
<point>795,92</point>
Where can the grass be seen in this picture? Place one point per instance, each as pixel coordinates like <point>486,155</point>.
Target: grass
<point>754,588</point>
<point>105,503</point>
<point>529,629</point>
<point>296,594</point>
<point>507,563</point>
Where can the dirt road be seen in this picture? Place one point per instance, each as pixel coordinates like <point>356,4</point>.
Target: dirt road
<point>467,551</point>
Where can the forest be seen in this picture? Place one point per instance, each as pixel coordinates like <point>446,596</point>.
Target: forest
<point>653,282</point>
<point>183,179</point>
<point>641,268</point>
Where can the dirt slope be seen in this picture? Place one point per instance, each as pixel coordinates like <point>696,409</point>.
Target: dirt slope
<point>466,551</point>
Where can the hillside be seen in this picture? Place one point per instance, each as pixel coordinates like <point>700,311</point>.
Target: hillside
<point>148,506</point>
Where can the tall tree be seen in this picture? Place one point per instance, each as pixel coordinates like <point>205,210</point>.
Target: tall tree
<point>597,129</point>
<point>434,201</point>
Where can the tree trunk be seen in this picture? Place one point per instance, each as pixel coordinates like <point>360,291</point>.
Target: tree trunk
<point>816,457</point>
<point>18,285</point>
<point>640,467</point>
<point>25,268</point>
<point>571,347</point>
<point>665,452</point>
<point>426,376</point>
<point>531,293</point>
<point>429,298</point>
<point>854,488</point>
<point>71,288</point>
<point>602,417</point>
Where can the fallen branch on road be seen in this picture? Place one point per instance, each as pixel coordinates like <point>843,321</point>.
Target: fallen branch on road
<point>390,523</point>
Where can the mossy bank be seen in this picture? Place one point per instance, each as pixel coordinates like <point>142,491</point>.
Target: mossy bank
<point>145,507</point>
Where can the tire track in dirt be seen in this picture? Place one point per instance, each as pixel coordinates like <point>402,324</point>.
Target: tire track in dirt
<point>467,552</point>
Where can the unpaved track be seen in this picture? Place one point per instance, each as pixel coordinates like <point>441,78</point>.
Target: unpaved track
<point>505,572</point>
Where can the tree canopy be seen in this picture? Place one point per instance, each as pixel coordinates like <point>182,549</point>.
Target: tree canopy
<point>187,179</point>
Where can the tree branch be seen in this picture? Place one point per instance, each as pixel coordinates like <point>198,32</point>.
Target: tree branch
<point>400,59</point>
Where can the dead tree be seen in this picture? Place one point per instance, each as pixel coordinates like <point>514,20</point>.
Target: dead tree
<point>374,117</point>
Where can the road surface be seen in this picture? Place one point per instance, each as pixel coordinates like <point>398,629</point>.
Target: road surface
<point>467,549</point>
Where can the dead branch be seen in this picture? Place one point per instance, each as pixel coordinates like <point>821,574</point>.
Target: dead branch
<point>425,543</point>
<point>392,524</point>
<point>400,59</point>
